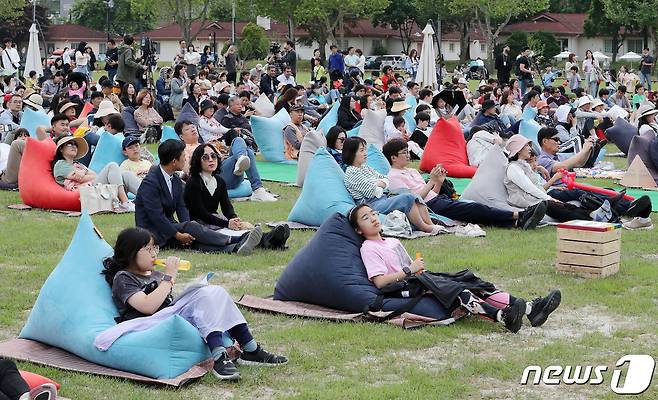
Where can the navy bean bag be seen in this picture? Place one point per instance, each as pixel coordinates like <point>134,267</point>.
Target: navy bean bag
<point>329,272</point>
<point>621,134</point>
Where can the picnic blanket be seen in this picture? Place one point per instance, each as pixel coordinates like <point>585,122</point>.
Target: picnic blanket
<point>277,172</point>
<point>306,310</point>
<point>597,173</point>
<point>43,354</point>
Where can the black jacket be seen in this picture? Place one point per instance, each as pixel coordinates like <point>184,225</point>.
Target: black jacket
<point>203,207</point>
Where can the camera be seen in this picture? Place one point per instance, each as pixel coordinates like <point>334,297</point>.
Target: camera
<point>275,57</point>
<point>275,48</point>
<point>147,47</point>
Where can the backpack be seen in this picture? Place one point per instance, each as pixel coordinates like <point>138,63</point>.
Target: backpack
<point>410,287</point>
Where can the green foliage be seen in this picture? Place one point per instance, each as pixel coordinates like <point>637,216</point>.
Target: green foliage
<point>221,10</point>
<point>18,27</point>
<point>127,16</point>
<point>10,9</point>
<point>379,50</point>
<point>545,46</point>
<point>569,6</point>
<point>400,15</point>
<point>254,43</point>
<point>516,42</point>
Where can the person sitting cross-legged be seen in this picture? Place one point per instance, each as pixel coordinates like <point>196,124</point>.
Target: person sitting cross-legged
<point>205,191</point>
<point>396,152</point>
<point>241,159</point>
<point>160,196</point>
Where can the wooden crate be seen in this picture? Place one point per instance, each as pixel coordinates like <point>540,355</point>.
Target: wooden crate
<point>588,253</point>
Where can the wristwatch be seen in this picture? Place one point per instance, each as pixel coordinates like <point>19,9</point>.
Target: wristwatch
<point>406,271</point>
<point>169,278</point>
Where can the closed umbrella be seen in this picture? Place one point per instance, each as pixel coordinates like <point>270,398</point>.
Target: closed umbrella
<point>33,59</point>
<point>426,75</point>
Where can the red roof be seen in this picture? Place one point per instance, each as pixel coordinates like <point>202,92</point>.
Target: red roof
<point>73,33</point>
<point>570,24</point>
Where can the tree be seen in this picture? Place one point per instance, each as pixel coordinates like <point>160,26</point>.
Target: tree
<point>400,15</point>
<point>493,15</point>
<point>127,16</point>
<point>445,19</point>
<point>545,46</point>
<point>569,6</point>
<point>11,9</point>
<point>643,14</point>
<point>18,27</point>
<point>516,42</point>
<point>185,13</point>
<point>598,24</point>
<point>221,10</point>
<point>253,43</point>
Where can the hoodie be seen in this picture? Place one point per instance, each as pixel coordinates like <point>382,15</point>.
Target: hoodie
<point>128,65</point>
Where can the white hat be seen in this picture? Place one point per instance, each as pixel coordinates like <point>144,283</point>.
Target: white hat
<point>35,101</point>
<point>562,113</point>
<point>646,109</point>
<point>462,81</point>
<point>596,103</point>
<point>400,106</point>
<point>105,108</point>
<point>584,100</point>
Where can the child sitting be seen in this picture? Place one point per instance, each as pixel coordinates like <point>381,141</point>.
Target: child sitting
<point>422,132</point>
<point>386,262</point>
<point>135,163</point>
<point>140,291</point>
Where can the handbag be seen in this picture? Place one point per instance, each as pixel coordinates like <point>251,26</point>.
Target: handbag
<point>99,198</point>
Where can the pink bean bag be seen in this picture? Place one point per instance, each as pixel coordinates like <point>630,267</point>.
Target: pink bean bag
<point>447,146</point>
<point>36,183</point>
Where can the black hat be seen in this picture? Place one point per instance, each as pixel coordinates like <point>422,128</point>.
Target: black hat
<point>206,104</point>
<point>487,104</point>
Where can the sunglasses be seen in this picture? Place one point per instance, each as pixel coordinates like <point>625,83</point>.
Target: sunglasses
<point>342,139</point>
<point>208,157</point>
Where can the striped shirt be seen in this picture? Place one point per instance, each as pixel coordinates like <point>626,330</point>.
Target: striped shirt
<point>361,182</point>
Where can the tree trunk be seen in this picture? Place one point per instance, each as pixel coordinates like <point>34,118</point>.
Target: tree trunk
<point>291,28</point>
<point>615,46</point>
<point>464,43</point>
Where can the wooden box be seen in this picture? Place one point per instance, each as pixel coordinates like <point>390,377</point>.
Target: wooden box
<point>589,249</point>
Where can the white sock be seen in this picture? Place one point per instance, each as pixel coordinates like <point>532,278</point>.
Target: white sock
<point>499,316</point>
<point>528,307</point>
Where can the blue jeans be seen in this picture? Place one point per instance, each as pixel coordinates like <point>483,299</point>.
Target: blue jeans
<point>111,73</point>
<point>645,79</point>
<point>239,148</point>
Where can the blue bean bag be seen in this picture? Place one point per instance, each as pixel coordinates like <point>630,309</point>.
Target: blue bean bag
<point>243,190</point>
<point>354,131</point>
<point>324,192</point>
<point>653,152</point>
<point>75,305</point>
<point>330,119</point>
<point>188,113</point>
<point>319,274</point>
<point>168,132</point>
<point>377,161</point>
<point>268,133</point>
<point>410,114</point>
<point>529,127</point>
<point>108,149</point>
<point>92,139</point>
<point>32,119</point>
<point>621,134</point>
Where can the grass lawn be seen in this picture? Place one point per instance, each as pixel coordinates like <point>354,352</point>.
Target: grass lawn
<point>599,320</point>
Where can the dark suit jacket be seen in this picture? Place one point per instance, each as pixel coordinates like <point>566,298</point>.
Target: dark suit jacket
<point>268,85</point>
<point>155,207</point>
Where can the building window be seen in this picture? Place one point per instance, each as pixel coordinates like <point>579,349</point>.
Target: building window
<point>156,45</point>
<point>342,44</point>
<point>377,43</point>
<point>451,47</point>
<point>102,48</point>
<point>607,46</point>
<point>634,45</point>
<point>50,47</point>
<point>483,48</point>
<point>564,44</point>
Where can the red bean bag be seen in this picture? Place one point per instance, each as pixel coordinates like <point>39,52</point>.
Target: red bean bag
<point>36,183</point>
<point>33,380</point>
<point>446,145</point>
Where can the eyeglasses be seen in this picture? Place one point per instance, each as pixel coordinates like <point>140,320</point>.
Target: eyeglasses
<point>210,156</point>
<point>341,139</point>
<point>152,249</point>
<point>403,153</point>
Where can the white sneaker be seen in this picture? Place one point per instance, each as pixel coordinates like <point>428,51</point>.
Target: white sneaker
<point>470,230</point>
<point>128,206</point>
<point>261,194</point>
<point>638,223</point>
<point>241,165</point>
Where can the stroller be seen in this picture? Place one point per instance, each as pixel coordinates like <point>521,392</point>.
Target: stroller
<point>477,72</point>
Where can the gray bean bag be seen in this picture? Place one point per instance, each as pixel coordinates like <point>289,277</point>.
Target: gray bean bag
<point>372,128</point>
<point>621,134</point>
<point>310,144</point>
<point>329,272</point>
<point>640,146</point>
<point>487,186</point>
<point>188,113</point>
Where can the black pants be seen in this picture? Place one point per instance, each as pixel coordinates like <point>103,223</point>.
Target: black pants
<point>566,211</point>
<point>12,385</point>
<point>575,194</point>
<point>475,213</point>
<point>205,239</point>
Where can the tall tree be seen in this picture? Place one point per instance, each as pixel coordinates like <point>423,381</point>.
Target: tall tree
<point>492,16</point>
<point>127,16</point>
<point>598,24</point>
<point>400,15</point>
<point>569,6</point>
<point>186,13</point>
<point>18,27</point>
<point>644,14</point>
<point>10,9</point>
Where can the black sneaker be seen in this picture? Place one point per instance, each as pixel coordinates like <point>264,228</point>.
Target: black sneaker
<point>249,241</point>
<point>513,315</point>
<point>261,357</point>
<point>638,206</point>
<point>224,369</point>
<point>8,186</point>
<point>531,216</point>
<point>543,307</point>
<point>275,238</point>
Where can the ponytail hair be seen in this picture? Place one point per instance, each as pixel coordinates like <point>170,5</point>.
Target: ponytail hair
<point>129,242</point>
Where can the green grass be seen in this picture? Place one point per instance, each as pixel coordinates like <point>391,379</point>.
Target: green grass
<point>599,320</point>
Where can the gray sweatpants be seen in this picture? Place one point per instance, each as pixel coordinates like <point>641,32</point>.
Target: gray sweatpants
<point>113,175</point>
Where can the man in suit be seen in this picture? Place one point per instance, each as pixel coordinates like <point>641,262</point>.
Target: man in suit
<point>268,82</point>
<point>160,196</point>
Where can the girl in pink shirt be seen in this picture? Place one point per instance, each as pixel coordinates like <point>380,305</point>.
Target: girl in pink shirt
<point>386,262</point>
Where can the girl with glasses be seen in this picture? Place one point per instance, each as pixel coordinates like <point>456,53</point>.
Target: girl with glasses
<point>335,140</point>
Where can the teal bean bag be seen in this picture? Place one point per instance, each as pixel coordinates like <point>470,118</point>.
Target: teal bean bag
<point>168,132</point>
<point>108,149</point>
<point>75,305</point>
<point>410,114</point>
<point>354,131</point>
<point>268,133</point>
<point>377,161</point>
<point>529,127</point>
<point>330,119</point>
<point>324,192</point>
<point>32,119</point>
<point>243,190</point>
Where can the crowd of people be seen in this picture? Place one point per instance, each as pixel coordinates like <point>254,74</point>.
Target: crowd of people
<point>183,202</point>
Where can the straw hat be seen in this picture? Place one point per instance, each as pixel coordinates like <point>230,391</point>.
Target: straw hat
<point>515,144</point>
<point>646,109</point>
<point>35,101</point>
<point>105,108</point>
<point>81,142</point>
<point>400,106</point>
<point>66,106</point>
